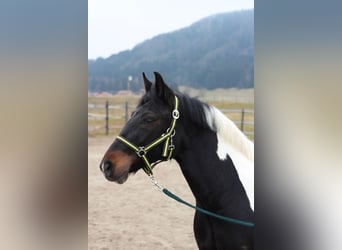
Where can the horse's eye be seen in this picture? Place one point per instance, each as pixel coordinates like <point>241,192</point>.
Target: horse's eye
<point>149,119</point>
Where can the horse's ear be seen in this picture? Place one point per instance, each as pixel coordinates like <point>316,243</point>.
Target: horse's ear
<point>147,83</point>
<point>163,91</point>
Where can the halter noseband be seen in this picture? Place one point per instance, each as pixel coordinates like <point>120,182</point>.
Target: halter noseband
<point>167,137</point>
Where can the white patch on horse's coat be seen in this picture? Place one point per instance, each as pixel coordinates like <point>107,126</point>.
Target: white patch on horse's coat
<point>231,141</point>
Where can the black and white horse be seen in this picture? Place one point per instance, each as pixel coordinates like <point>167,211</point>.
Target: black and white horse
<point>215,157</point>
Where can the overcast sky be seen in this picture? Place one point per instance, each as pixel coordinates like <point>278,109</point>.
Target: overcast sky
<point>114,25</point>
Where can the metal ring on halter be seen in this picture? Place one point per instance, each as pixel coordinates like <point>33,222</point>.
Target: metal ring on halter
<point>175,114</point>
<point>141,152</point>
<point>173,133</point>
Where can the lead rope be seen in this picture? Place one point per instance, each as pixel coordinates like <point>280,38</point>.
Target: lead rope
<point>177,198</point>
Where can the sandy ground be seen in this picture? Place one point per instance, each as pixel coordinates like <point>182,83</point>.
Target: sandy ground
<point>136,215</point>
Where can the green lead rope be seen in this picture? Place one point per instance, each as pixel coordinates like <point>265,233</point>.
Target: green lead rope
<point>224,218</point>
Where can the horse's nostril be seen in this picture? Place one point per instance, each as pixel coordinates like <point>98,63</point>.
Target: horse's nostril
<point>107,168</point>
<point>105,165</point>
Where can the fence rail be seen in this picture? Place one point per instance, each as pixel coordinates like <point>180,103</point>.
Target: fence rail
<point>118,115</point>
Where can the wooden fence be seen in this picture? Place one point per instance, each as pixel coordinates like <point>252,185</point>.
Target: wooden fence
<point>111,118</point>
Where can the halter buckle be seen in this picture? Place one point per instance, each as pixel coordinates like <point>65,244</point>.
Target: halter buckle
<point>141,152</point>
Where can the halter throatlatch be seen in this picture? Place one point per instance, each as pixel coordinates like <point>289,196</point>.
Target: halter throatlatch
<point>168,149</point>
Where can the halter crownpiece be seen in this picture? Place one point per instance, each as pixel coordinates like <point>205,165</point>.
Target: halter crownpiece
<point>169,147</point>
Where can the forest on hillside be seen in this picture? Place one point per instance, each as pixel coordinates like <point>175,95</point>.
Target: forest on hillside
<point>215,52</point>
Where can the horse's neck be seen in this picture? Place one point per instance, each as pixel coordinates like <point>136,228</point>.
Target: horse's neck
<point>213,181</point>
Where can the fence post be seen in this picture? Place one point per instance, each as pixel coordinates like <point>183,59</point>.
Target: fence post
<point>107,117</point>
<point>242,118</point>
<point>126,111</point>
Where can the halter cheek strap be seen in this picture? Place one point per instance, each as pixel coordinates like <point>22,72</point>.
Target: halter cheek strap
<point>168,149</point>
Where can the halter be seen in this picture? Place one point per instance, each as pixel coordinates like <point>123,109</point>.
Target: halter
<point>169,147</point>
<point>166,155</point>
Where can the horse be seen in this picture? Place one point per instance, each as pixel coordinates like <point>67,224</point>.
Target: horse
<point>215,157</point>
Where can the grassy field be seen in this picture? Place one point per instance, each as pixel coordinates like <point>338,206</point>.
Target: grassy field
<point>96,123</point>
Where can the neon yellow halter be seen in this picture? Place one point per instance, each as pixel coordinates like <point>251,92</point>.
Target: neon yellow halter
<point>167,137</point>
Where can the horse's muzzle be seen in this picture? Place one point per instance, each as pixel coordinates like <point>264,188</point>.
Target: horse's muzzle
<point>116,165</point>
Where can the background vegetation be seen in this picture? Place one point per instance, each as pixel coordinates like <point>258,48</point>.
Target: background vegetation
<point>215,52</point>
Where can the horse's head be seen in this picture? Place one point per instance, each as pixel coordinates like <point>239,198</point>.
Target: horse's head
<point>148,135</point>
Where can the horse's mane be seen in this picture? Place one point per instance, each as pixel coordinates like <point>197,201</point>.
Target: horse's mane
<point>209,117</point>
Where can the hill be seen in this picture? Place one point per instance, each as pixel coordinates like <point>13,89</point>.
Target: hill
<point>215,52</point>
